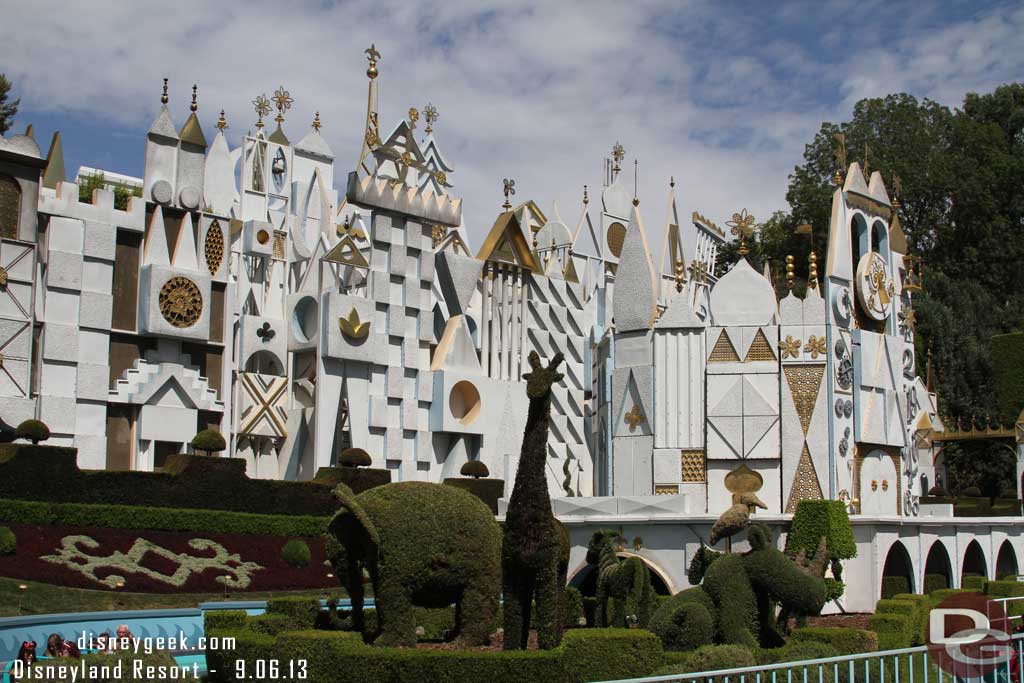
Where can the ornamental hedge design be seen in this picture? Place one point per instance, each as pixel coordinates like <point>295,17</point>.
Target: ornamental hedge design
<point>32,430</point>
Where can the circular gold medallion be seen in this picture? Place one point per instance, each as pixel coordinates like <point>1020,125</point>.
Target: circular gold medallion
<point>181,302</point>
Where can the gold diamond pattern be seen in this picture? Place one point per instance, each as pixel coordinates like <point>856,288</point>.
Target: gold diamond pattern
<point>805,483</point>
<point>804,383</point>
<point>691,461</point>
<point>724,352</point>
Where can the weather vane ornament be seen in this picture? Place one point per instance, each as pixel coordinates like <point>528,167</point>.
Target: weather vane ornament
<point>510,189</point>
<point>373,55</point>
<point>262,106</point>
<point>743,226</point>
<point>316,122</point>
<point>430,115</point>
<point>284,100</point>
<point>618,154</point>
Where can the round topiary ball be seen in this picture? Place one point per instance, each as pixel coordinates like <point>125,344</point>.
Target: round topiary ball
<point>296,553</point>
<point>209,440</point>
<point>355,457</point>
<point>32,430</point>
<point>938,491</point>
<point>475,469</point>
<point>972,492</point>
<point>8,541</point>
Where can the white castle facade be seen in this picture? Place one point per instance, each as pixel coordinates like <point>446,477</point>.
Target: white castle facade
<point>242,291</point>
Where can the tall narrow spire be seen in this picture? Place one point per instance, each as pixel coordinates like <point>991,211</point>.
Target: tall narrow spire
<point>163,98</point>
<point>371,134</point>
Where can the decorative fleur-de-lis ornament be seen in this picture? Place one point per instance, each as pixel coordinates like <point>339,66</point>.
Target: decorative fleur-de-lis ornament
<point>352,327</point>
<point>743,226</point>
<point>509,189</point>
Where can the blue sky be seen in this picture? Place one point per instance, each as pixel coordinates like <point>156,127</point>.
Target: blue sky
<point>722,96</point>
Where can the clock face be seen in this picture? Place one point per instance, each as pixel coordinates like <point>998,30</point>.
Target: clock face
<point>181,302</point>
<point>875,289</point>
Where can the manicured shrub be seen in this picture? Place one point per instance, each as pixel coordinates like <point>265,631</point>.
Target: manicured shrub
<point>608,654</point>
<point>475,469</point>
<point>355,457</point>
<point>573,608</point>
<point>907,609</point>
<point>358,479</point>
<point>974,582</point>
<point>894,585</point>
<point>187,481</point>
<point>223,619</point>
<point>684,621</point>
<point>894,630</point>
<point>8,541</point>
<point>487,490</point>
<point>803,650</point>
<point>972,492</point>
<point>846,641</point>
<point>922,606</point>
<point>938,491</point>
<point>209,441</point>
<point>934,582</point>
<point>32,430</point>
<point>816,518</point>
<point>300,612</point>
<point>710,658</point>
<point>296,553</point>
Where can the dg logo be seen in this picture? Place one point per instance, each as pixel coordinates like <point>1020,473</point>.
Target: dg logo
<point>969,636</point>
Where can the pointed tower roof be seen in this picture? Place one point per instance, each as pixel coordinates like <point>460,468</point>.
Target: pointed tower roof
<point>672,249</point>
<point>156,253</point>
<point>54,173</point>
<point>192,132</point>
<point>185,249</point>
<point>506,242</point>
<point>163,125</point>
<point>855,181</point>
<point>636,288</point>
<point>278,136</point>
<point>314,144</point>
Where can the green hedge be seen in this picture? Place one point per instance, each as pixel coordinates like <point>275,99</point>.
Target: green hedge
<point>358,479</point>
<point>8,541</point>
<point>50,473</point>
<point>846,641</point>
<point>974,582</point>
<point>342,657</point>
<point>894,585</point>
<point>816,518</point>
<point>894,630</point>
<point>934,582</point>
<point>910,609</point>
<point>1008,363</point>
<point>487,490</point>
<point>1007,589</point>
<point>296,553</point>
<point>159,519</point>
<point>708,658</point>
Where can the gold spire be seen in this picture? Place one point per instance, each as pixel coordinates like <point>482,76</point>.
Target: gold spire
<point>283,100</point>
<point>414,116</point>
<point>510,189</point>
<point>636,170</point>
<point>195,105</point>
<point>316,122</point>
<point>790,274</point>
<point>812,271</point>
<point>430,115</point>
<point>586,199</point>
<point>262,106</point>
<point>222,123</point>
<point>372,55</point>
<point>679,274</point>
<point>164,98</point>
<point>742,225</point>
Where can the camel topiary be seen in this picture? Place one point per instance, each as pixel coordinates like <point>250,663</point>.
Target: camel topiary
<point>535,551</point>
<point>737,600</point>
<point>626,583</point>
<point>424,545</point>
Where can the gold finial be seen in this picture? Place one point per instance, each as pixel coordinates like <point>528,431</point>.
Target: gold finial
<point>618,154</point>
<point>430,115</point>
<point>316,122</point>
<point>510,189</point>
<point>636,169</point>
<point>742,225</point>
<point>812,271</point>
<point>164,98</point>
<point>840,154</point>
<point>262,106</point>
<point>222,123</point>
<point>284,100</point>
<point>586,199</point>
<point>679,275</point>
<point>414,116</point>
<point>372,55</point>
<point>195,91</point>
<point>790,274</point>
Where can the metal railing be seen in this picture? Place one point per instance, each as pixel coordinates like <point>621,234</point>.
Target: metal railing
<point>907,665</point>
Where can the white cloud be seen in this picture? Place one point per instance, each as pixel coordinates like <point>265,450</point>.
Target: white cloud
<point>722,98</point>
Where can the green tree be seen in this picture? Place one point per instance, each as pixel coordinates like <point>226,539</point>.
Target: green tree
<point>7,109</point>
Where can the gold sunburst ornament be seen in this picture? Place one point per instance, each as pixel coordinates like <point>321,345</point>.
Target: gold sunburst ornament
<point>743,226</point>
<point>181,302</point>
<point>430,115</point>
<point>284,100</point>
<point>262,106</point>
<point>352,327</point>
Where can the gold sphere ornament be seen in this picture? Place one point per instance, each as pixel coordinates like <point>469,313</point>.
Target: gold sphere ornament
<point>181,302</point>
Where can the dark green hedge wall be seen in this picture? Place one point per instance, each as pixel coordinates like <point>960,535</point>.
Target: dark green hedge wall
<point>50,473</point>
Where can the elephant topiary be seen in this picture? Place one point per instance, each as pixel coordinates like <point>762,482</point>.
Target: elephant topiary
<point>626,583</point>
<point>424,545</point>
<point>737,600</point>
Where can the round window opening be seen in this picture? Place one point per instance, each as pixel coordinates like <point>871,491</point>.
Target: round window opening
<point>464,402</point>
<point>304,319</point>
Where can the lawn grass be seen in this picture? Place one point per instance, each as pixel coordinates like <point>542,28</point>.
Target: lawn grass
<point>44,598</point>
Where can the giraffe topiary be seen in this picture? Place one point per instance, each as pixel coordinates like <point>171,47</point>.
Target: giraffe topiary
<point>535,551</point>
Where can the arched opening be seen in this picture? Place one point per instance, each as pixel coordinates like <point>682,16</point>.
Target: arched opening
<point>1006,561</point>
<point>10,206</point>
<point>585,580</point>
<point>860,242</point>
<point>880,240</point>
<point>898,572</point>
<point>974,564</point>
<point>938,570</point>
<point>264,363</point>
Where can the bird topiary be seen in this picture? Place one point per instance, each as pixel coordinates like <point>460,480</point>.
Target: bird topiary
<point>296,553</point>
<point>475,469</point>
<point>33,430</point>
<point>354,457</point>
<point>8,541</point>
<point>209,440</point>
